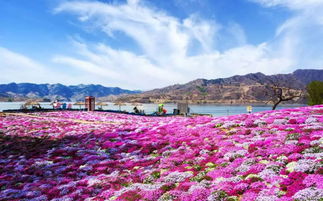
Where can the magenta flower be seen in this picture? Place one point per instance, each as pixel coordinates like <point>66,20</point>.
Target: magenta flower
<point>273,155</point>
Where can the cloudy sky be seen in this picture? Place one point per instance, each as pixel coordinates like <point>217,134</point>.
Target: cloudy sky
<point>145,44</point>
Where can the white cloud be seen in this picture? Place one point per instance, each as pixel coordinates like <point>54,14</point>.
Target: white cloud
<point>237,33</point>
<point>17,67</point>
<point>155,32</point>
<point>300,37</point>
<point>122,68</point>
<point>171,50</point>
<point>292,4</point>
<point>166,43</point>
<point>201,30</point>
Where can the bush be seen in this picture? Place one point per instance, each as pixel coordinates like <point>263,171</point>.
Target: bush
<point>315,93</point>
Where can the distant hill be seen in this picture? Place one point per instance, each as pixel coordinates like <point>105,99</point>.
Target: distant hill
<point>239,89</point>
<point>24,91</point>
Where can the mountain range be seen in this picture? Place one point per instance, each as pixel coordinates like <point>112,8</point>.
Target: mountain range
<point>239,89</point>
<point>50,92</point>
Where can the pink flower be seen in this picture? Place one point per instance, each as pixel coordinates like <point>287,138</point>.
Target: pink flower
<point>151,194</point>
<point>240,188</point>
<point>314,180</point>
<point>294,157</point>
<point>257,186</point>
<point>199,194</point>
<point>249,196</point>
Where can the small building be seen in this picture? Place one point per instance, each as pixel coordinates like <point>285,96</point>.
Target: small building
<point>183,109</point>
<point>90,103</point>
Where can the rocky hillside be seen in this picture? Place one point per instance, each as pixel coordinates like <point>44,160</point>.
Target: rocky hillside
<point>250,88</point>
<point>23,91</point>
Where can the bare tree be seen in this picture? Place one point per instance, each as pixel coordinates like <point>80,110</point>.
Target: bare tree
<point>281,94</point>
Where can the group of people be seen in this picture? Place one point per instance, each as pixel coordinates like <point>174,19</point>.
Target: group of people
<point>137,110</point>
<point>161,110</point>
<point>59,105</point>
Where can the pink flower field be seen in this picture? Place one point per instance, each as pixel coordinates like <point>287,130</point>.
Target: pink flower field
<point>62,156</point>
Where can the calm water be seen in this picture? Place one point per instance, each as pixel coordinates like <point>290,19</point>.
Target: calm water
<point>215,110</point>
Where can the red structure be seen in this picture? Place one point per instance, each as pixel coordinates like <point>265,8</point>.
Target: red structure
<point>90,103</point>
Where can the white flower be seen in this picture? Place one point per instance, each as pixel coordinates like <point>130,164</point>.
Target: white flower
<point>280,121</point>
<point>204,151</point>
<point>313,127</point>
<point>267,173</point>
<point>229,124</point>
<point>307,165</point>
<point>235,154</point>
<point>317,142</point>
<point>86,167</point>
<point>267,198</point>
<point>176,177</point>
<point>260,122</point>
<point>291,142</point>
<point>309,194</point>
<point>94,181</point>
<point>311,120</point>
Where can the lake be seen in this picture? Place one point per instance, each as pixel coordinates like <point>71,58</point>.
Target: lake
<point>215,110</point>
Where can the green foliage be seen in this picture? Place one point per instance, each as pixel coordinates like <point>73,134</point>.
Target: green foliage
<point>201,89</point>
<point>293,136</point>
<point>126,184</point>
<point>218,125</point>
<point>220,195</point>
<point>197,167</point>
<point>113,139</point>
<point>199,177</point>
<point>315,93</point>
<point>232,198</point>
<point>224,164</point>
<point>168,187</point>
<point>155,174</point>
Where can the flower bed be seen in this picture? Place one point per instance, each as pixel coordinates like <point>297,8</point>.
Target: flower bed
<point>274,155</point>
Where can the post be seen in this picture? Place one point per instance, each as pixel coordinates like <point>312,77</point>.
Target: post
<point>249,109</point>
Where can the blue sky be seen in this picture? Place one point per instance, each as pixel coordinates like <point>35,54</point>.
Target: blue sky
<point>145,44</point>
